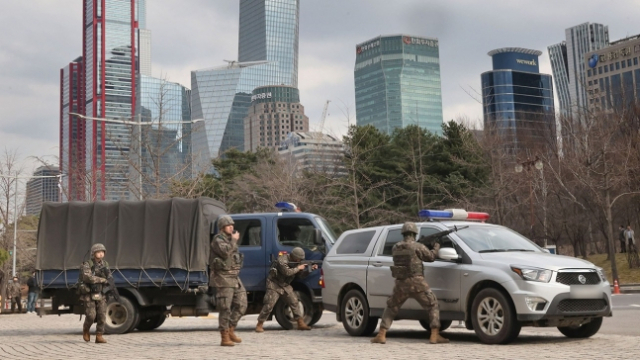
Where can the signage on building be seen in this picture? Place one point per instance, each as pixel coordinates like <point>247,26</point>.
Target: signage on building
<point>368,46</point>
<point>527,62</point>
<point>623,52</point>
<point>417,41</point>
<point>593,61</point>
<point>261,96</point>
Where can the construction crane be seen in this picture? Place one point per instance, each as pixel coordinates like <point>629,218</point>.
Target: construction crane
<point>324,116</point>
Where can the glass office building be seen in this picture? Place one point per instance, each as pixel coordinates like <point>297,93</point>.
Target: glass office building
<point>267,55</point>
<point>397,83</point>
<point>42,189</point>
<point>72,131</point>
<point>517,100</point>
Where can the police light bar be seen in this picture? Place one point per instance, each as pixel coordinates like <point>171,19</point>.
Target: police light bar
<point>453,214</point>
<point>286,206</point>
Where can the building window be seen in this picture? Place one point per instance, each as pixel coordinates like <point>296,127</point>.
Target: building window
<point>624,64</point>
<point>629,62</point>
<point>617,65</point>
<point>599,70</point>
<point>589,74</point>
<point>611,66</point>
<point>590,82</point>
<point>606,68</point>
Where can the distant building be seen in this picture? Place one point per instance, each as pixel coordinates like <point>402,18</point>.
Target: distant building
<point>397,83</point>
<point>613,75</point>
<point>40,190</point>
<point>72,131</point>
<point>314,151</point>
<point>275,112</point>
<point>517,99</point>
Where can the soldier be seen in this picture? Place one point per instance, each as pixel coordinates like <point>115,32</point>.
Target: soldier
<point>14,293</point>
<point>94,274</point>
<point>231,297</point>
<point>279,281</point>
<point>408,256</point>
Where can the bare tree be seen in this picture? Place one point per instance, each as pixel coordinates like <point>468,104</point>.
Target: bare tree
<point>10,170</point>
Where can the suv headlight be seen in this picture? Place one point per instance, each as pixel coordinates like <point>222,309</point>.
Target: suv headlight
<point>533,274</point>
<point>602,274</point>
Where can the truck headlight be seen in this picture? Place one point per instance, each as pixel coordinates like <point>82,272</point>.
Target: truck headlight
<point>532,274</point>
<point>602,274</point>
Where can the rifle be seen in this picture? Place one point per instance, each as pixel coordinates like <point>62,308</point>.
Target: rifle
<point>309,264</point>
<point>431,240</point>
<point>109,289</point>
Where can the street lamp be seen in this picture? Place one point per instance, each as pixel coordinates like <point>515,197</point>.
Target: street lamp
<point>139,123</point>
<point>528,165</point>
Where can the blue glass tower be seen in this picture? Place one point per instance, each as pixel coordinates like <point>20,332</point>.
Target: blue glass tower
<point>517,100</point>
<point>267,55</point>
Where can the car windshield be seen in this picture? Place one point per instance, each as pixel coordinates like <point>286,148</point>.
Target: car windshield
<point>326,229</point>
<point>484,239</point>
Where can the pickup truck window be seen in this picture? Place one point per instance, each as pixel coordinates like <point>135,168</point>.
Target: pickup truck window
<point>296,232</point>
<point>250,232</point>
<point>393,237</point>
<point>356,243</point>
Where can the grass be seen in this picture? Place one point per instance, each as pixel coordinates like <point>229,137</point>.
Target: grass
<point>626,275</point>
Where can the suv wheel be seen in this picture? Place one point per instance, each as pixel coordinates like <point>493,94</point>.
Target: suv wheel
<point>355,314</point>
<point>494,318</point>
<point>583,331</point>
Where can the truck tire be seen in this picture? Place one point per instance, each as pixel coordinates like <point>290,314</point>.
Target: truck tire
<point>583,331</point>
<point>122,316</point>
<point>152,322</point>
<point>494,317</point>
<point>317,314</point>
<point>444,324</point>
<point>284,316</point>
<point>355,314</point>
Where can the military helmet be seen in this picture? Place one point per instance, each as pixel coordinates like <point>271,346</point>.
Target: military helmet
<point>224,220</point>
<point>297,253</point>
<point>97,247</point>
<point>409,227</point>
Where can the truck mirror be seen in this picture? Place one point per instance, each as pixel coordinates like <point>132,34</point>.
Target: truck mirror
<point>317,237</point>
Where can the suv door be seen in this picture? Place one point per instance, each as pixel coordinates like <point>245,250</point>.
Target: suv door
<point>379,280</point>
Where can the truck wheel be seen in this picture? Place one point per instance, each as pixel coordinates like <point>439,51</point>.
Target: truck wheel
<point>152,322</point>
<point>444,324</point>
<point>583,331</point>
<point>122,316</point>
<point>284,316</point>
<point>494,318</point>
<point>317,314</point>
<point>355,314</point>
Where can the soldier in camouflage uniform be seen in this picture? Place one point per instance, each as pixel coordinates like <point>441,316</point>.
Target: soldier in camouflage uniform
<point>94,275</point>
<point>14,293</point>
<point>231,296</point>
<point>408,256</point>
<point>279,281</point>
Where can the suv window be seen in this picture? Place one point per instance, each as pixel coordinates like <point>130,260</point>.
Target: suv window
<point>393,236</point>
<point>296,232</point>
<point>250,232</point>
<point>356,243</point>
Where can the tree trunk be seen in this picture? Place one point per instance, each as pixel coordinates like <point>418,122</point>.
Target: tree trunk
<point>611,247</point>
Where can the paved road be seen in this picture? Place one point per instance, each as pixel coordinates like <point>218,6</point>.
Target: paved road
<point>53,337</point>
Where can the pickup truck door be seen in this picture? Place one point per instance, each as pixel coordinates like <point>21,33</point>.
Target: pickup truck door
<point>379,280</point>
<point>253,245</point>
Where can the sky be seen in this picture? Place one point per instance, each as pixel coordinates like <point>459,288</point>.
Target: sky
<point>39,37</point>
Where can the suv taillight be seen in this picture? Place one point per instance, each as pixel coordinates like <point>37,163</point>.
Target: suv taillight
<point>321,281</point>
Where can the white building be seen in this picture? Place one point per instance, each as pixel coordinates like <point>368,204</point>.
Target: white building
<point>314,151</point>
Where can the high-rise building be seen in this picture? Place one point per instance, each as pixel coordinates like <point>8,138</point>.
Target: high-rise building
<point>613,75</point>
<point>397,83</point>
<point>110,53</point>
<point>568,67</point>
<point>517,99</point>
<point>42,189</point>
<point>314,151</point>
<point>72,131</point>
<point>165,153</point>
<point>268,55</point>
<point>275,111</point>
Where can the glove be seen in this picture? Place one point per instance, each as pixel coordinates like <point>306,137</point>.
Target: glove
<point>436,246</point>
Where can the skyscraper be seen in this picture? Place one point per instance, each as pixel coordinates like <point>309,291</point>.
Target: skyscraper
<point>42,189</point>
<point>110,54</point>
<point>397,83</point>
<point>568,66</point>
<point>267,55</point>
<point>517,99</point>
<point>72,131</point>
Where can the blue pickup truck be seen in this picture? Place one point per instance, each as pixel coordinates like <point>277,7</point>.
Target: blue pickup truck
<point>159,252</point>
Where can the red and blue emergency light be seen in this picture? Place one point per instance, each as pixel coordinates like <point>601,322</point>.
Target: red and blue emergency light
<point>287,207</point>
<point>453,214</point>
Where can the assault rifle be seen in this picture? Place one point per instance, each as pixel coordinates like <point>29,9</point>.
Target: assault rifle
<point>431,240</point>
<point>309,264</point>
<point>109,289</point>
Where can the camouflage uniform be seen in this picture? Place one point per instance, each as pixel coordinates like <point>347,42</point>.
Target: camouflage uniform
<point>279,284</point>
<point>231,296</point>
<point>94,275</point>
<point>14,293</point>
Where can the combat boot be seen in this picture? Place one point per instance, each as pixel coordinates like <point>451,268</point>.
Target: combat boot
<point>232,335</point>
<point>381,338</point>
<point>224,338</point>
<point>86,336</point>
<point>302,325</point>
<point>100,339</point>
<point>436,338</point>
<point>259,327</point>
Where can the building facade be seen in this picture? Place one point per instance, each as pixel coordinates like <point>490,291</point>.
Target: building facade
<point>267,55</point>
<point>315,152</point>
<point>275,112</point>
<point>42,189</point>
<point>613,75</point>
<point>517,99</point>
<point>111,61</point>
<point>72,131</point>
<point>567,65</point>
<point>397,83</point>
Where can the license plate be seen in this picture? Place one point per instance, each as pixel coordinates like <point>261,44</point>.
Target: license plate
<point>585,292</point>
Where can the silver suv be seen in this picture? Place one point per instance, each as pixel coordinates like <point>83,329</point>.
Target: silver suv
<point>487,275</point>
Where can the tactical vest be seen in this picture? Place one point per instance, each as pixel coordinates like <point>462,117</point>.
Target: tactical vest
<point>278,276</point>
<point>405,265</point>
<point>231,263</point>
<point>83,288</point>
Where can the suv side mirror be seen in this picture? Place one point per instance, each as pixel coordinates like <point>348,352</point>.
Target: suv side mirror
<point>317,237</point>
<point>448,254</point>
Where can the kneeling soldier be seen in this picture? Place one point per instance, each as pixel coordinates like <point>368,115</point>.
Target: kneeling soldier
<point>279,281</point>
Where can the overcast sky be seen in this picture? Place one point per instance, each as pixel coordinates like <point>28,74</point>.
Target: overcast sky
<point>39,37</point>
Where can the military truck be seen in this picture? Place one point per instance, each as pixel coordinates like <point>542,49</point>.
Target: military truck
<point>158,252</point>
